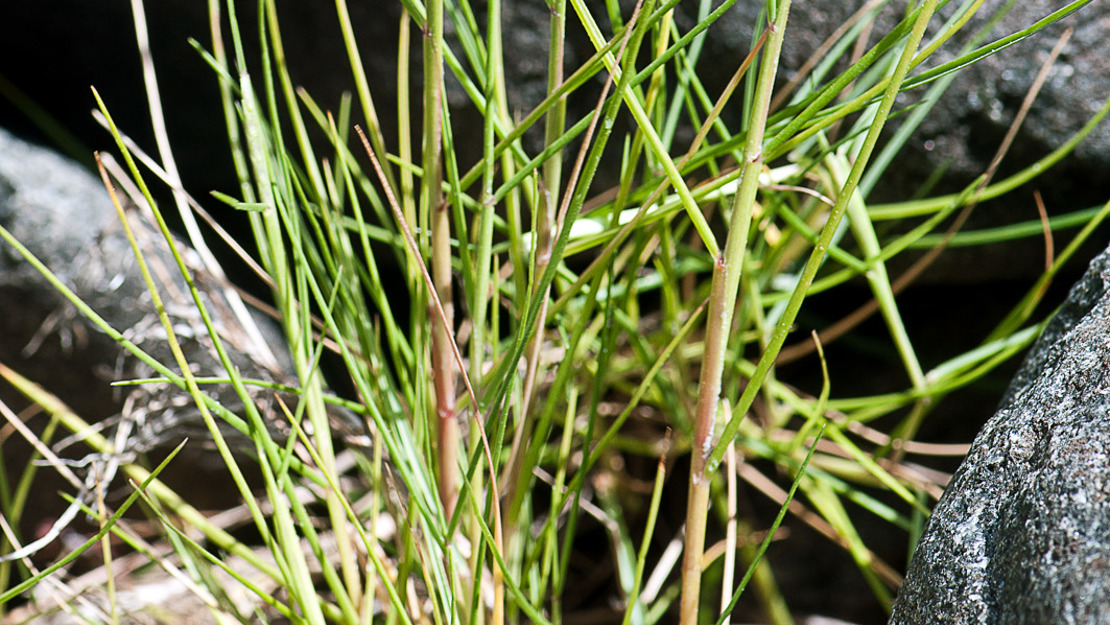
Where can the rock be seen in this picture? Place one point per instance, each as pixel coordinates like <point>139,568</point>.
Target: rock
<point>964,130</point>
<point>1022,534</point>
<point>63,215</point>
<point>57,210</point>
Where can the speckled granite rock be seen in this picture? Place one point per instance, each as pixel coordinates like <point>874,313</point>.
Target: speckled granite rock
<point>1022,535</point>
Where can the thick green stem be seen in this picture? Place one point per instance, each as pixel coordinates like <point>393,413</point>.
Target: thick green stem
<point>433,204</point>
<point>825,239</point>
<point>726,281</point>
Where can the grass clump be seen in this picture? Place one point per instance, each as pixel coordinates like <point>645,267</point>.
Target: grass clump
<point>516,339</point>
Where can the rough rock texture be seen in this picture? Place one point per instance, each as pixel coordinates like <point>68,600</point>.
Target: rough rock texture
<point>1022,535</point>
<point>967,125</point>
<point>57,210</point>
<point>63,215</point>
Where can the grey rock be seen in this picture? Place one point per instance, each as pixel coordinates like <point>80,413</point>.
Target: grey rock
<point>62,214</point>
<point>965,127</point>
<point>988,95</point>
<point>1022,534</point>
<point>57,210</point>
